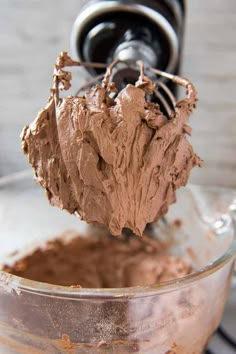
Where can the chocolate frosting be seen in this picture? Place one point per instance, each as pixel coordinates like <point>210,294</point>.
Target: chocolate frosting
<point>101,262</point>
<point>114,161</point>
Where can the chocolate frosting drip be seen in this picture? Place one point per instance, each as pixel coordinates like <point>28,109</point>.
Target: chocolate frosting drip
<point>115,162</point>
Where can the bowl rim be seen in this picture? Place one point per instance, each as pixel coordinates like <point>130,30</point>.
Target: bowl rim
<point>12,283</point>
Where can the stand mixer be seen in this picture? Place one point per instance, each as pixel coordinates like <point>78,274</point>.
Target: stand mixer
<point>150,31</point>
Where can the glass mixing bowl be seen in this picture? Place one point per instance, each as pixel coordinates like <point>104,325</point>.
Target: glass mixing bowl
<point>175,317</point>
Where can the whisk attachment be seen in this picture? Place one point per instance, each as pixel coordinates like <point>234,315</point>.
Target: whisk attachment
<point>153,79</point>
<point>112,156</point>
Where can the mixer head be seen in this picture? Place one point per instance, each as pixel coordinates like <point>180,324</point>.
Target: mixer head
<point>146,30</point>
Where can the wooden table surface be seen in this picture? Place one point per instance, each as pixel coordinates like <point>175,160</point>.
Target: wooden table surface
<point>32,33</point>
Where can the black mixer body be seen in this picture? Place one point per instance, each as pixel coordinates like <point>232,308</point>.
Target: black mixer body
<point>146,30</point>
